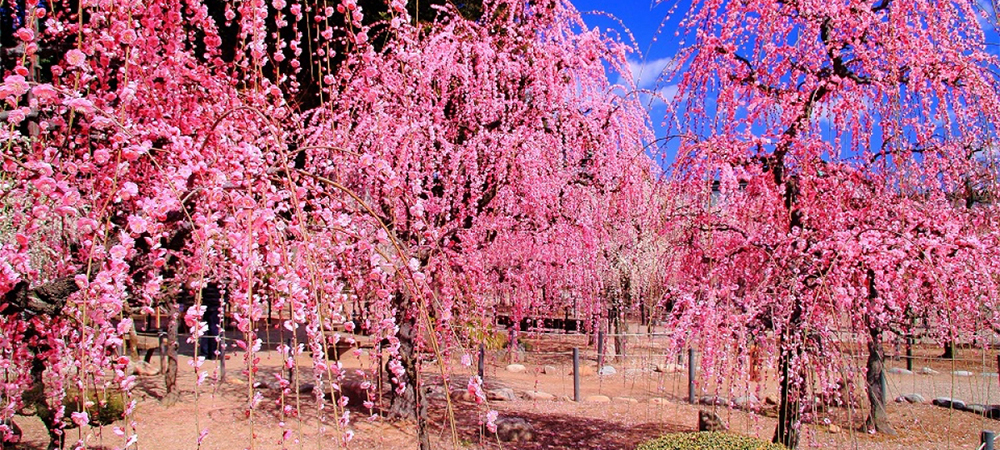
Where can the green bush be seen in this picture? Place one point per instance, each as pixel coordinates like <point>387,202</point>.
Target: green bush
<point>707,441</point>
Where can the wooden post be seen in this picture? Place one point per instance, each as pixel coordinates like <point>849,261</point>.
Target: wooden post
<point>600,350</point>
<point>576,374</point>
<point>909,353</point>
<point>691,373</point>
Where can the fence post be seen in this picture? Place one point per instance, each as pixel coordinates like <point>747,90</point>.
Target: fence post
<point>691,372</point>
<point>222,353</point>
<point>986,439</point>
<point>482,362</point>
<point>909,353</point>
<point>576,374</point>
<point>600,350</point>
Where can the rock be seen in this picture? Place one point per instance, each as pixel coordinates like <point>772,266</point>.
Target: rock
<point>746,402</point>
<point>658,401</point>
<point>501,395</point>
<point>912,398</point>
<point>988,374</point>
<point>899,371</point>
<point>771,399</point>
<point>538,395</point>
<point>550,370</point>
<point>607,370</point>
<point>597,399</point>
<point>585,370</point>
<point>669,368</point>
<point>713,400</point>
<point>928,371</point>
<point>565,398</point>
<point>236,381</point>
<point>992,411</point>
<point>516,368</point>
<point>625,400</point>
<point>462,396</point>
<point>947,402</point>
<point>306,388</point>
<point>144,369</point>
<point>976,408</point>
<point>962,373</point>
<point>514,429</point>
<point>833,429</point>
<point>709,421</point>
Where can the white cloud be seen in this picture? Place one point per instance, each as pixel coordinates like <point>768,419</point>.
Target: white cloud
<point>645,74</point>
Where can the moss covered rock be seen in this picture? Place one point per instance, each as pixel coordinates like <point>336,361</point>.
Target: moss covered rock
<point>708,441</point>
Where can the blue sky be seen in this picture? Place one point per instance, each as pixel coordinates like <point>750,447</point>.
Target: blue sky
<point>655,45</point>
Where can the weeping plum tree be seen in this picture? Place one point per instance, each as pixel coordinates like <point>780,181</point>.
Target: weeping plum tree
<point>838,134</point>
<point>164,158</point>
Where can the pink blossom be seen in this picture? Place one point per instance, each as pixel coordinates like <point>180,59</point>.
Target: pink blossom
<point>76,58</point>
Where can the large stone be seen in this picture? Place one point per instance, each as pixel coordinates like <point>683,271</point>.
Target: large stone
<point>501,395</point>
<point>538,395</point>
<point>910,398</point>
<point>899,371</point>
<point>669,368</point>
<point>607,370</point>
<point>584,371</point>
<point>597,399</point>
<point>710,421</point>
<point>514,429</point>
<point>144,369</point>
<point>928,371</point>
<point>659,401</point>
<point>516,368</point>
<point>462,396</point>
<point>948,402</point>
<point>771,400</point>
<point>713,400</point>
<point>550,370</point>
<point>625,400</point>
<point>746,402</point>
<point>962,373</point>
<point>833,429</point>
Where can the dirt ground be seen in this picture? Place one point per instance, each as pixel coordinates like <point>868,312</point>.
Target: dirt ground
<point>644,404</point>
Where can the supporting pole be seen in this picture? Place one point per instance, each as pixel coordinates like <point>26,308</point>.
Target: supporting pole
<point>222,352</point>
<point>600,350</point>
<point>691,373</point>
<point>986,439</point>
<point>576,374</point>
<point>482,362</point>
<point>909,353</point>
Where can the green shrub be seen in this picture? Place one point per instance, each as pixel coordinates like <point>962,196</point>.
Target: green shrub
<point>708,441</point>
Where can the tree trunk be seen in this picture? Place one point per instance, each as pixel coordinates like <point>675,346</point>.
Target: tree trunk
<point>877,418</point>
<point>407,397</point>
<point>786,432</point>
<point>620,339</point>
<point>949,350</point>
<point>170,372</point>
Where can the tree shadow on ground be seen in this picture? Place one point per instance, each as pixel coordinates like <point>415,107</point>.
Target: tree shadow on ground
<point>551,430</point>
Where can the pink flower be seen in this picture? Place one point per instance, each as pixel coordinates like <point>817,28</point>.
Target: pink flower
<point>25,34</point>
<point>43,91</point>
<point>75,58</point>
<point>80,418</point>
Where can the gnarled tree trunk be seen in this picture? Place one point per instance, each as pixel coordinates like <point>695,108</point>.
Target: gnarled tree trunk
<point>878,419</point>
<point>407,400</point>
<point>170,371</point>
